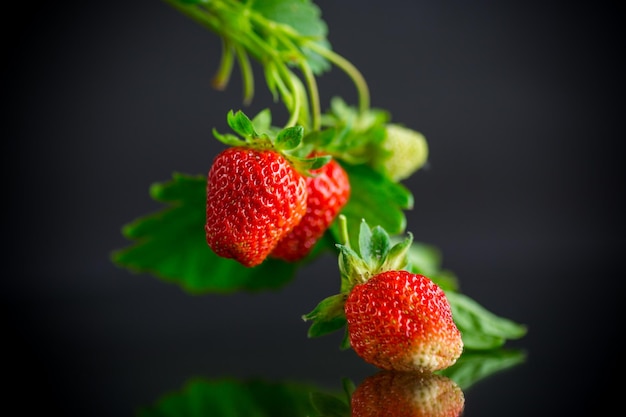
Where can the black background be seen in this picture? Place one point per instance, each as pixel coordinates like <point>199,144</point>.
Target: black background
<point>522,105</point>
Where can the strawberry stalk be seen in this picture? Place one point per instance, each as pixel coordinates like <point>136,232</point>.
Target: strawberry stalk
<point>278,46</point>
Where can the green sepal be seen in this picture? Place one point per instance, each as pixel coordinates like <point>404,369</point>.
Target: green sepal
<point>240,123</point>
<point>289,138</point>
<point>373,245</point>
<point>375,255</point>
<point>328,316</point>
<point>263,121</point>
<point>313,163</point>
<point>355,133</point>
<point>397,258</point>
<point>228,139</point>
<point>345,342</point>
<point>352,268</point>
<point>321,138</point>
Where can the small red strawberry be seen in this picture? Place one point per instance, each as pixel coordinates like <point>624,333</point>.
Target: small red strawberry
<point>328,190</point>
<point>407,394</point>
<point>256,191</point>
<point>396,320</point>
<point>253,199</point>
<point>402,321</point>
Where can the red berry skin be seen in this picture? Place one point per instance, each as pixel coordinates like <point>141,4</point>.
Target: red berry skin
<point>407,394</point>
<point>328,191</point>
<point>254,198</point>
<point>402,321</point>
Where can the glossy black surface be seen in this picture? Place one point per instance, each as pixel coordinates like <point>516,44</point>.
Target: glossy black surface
<point>522,106</point>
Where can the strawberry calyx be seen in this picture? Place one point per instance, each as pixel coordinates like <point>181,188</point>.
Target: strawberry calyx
<point>259,134</point>
<point>375,254</point>
<point>371,254</point>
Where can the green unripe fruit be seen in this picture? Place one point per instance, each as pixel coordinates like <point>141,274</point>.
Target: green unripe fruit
<point>401,153</point>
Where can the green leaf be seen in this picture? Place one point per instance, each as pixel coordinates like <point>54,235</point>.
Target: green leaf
<point>305,18</point>
<point>170,244</point>
<point>229,397</point>
<point>192,1</point>
<point>474,366</point>
<point>328,405</point>
<point>480,328</point>
<point>376,199</point>
<point>311,164</point>
<point>302,15</point>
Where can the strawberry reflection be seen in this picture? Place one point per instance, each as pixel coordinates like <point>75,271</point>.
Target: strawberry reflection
<point>386,393</point>
<point>404,394</point>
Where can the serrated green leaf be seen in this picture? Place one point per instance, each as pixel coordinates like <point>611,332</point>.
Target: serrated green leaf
<point>305,18</point>
<point>474,366</point>
<point>170,244</point>
<point>229,397</point>
<point>302,15</point>
<point>480,328</point>
<point>376,199</point>
<point>289,138</point>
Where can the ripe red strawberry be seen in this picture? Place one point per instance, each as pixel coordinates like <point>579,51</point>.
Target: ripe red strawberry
<point>402,321</point>
<point>328,190</point>
<point>254,198</point>
<point>407,394</point>
<point>394,319</point>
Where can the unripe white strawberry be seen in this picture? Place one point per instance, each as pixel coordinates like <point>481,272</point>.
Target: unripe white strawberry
<point>401,153</point>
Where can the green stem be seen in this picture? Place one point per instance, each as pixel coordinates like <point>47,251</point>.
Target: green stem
<point>194,13</point>
<point>222,76</point>
<point>297,99</point>
<point>247,74</point>
<point>274,81</point>
<point>342,223</point>
<point>314,98</point>
<point>349,69</point>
